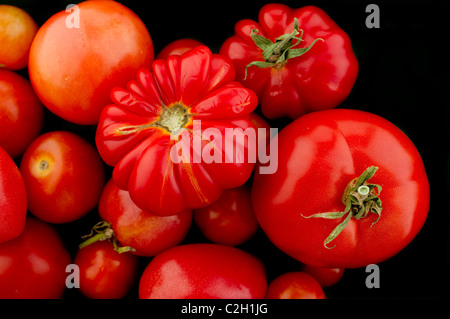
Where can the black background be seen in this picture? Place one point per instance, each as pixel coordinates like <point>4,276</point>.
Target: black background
<point>403,77</point>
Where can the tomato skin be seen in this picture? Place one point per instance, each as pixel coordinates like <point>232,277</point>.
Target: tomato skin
<point>62,59</point>
<point>13,199</point>
<point>178,47</point>
<point>17,31</point>
<point>130,138</point>
<point>325,276</point>
<point>295,285</point>
<point>319,154</point>
<point>64,176</point>
<point>22,114</point>
<point>34,264</point>
<point>146,233</point>
<point>320,79</point>
<point>230,220</point>
<point>105,273</point>
<point>203,271</point>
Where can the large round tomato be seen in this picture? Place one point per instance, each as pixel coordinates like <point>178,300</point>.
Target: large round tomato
<point>147,234</point>
<point>33,265</point>
<point>350,190</point>
<point>80,54</point>
<point>203,271</point>
<point>21,113</point>
<point>64,176</point>
<point>13,199</point>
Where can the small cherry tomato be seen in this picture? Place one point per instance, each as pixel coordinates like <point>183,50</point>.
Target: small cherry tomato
<point>325,276</point>
<point>64,177</point>
<point>146,233</point>
<point>178,47</point>
<point>74,64</point>
<point>21,113</point>
<point>33,265</point>
<point>13,199</point>
<point>105,273</point>
<point>17,31</point>
<point>203,271</point>
<point>295,285</point>
<point>229,220</point>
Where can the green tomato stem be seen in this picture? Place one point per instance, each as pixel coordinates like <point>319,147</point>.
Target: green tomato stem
<point>276,54</point>
<point>360,198</point>
<point>104,231</point>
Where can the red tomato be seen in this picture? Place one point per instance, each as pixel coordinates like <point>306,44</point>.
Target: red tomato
<point>74,67</point>
<point>178,47</point>
<point>64,177</point>
<point>105,273</point>
<point>162,129</point>
<point>13,199</point>
<point>230,219</point>
<point>33,265</point>
<point>325,276</point>
<point>146,233</point>
<point>327,204</point>
<point>203,271</point>
<point>17,31</point>
<point>295,285</point>
<point>292,77</point>
<point>21,113</point>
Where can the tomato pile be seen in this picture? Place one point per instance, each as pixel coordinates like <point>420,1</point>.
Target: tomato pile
<point>119,179</point>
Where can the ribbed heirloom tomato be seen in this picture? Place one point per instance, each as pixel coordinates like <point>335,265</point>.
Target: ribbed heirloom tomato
<point>180,134</point>
<point>350,190</point>
<point>296,60</point>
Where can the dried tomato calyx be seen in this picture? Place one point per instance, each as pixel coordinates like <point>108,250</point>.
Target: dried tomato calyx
<point>43,165</point>
<point>360,198</point>
<point>103,231</point>
<point>277,54</point>
<point>173,118</point>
